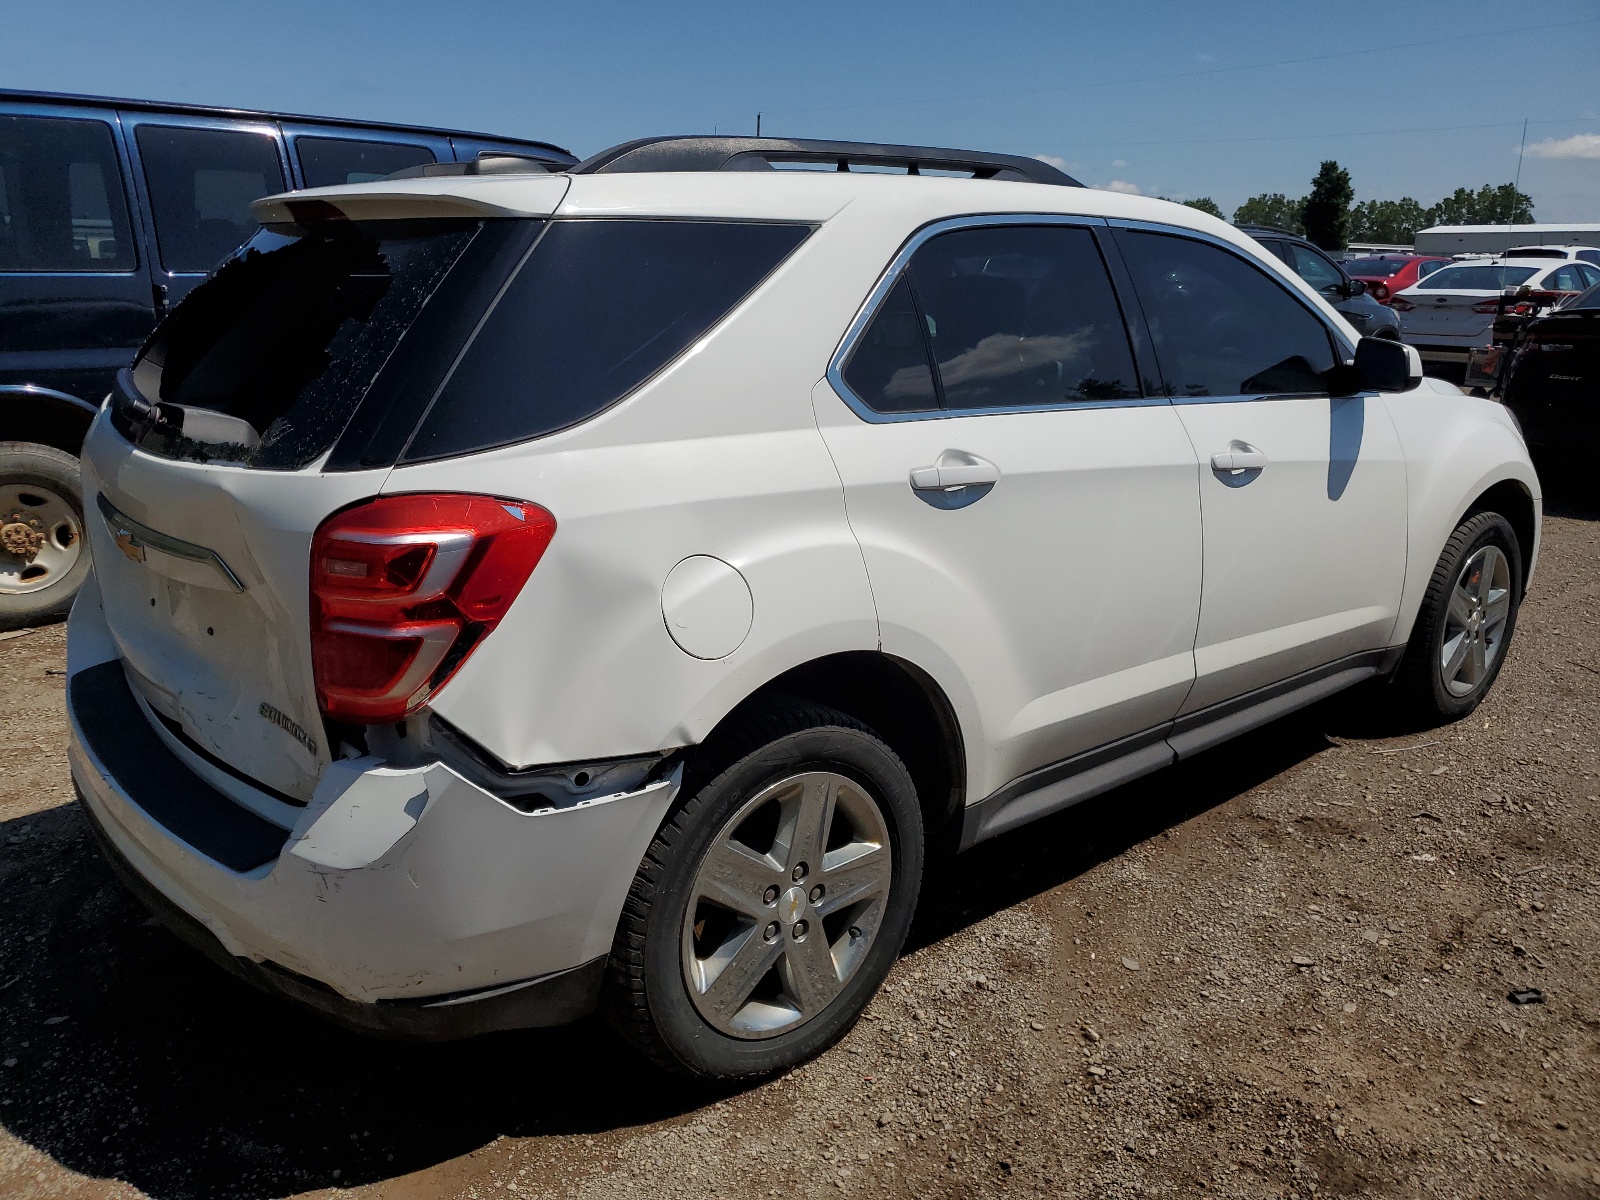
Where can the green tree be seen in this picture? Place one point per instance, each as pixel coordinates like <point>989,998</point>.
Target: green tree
<point>1206,205</point>
<point>1272,208</point>
<point>1489,205</point>
<point>1327,212</point>
<point>1391,222</point>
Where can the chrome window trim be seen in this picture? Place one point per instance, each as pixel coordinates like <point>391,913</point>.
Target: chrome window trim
<point>891,275</point>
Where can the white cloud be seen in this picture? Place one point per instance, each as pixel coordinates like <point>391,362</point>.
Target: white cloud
<point>1579,145</point>
<point>1123,186</point>
<point>1119,162</point>
<point>1055,161</point>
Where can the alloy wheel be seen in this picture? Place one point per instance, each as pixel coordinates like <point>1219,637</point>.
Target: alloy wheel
<point>786,904</point>
<point>1476,621</point>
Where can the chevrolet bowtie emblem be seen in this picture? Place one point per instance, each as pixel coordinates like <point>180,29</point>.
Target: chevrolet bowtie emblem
<point>128,544</point>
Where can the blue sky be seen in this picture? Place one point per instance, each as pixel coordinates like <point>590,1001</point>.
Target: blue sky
<point>1178,99</point>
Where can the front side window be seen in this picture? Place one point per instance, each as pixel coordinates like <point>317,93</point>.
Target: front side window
<point>62,205</point>
<point>598,308</point>
<point>1316,270</point>
<point>201,184</point>
<point>328,161</point>
<point>1221,326</point>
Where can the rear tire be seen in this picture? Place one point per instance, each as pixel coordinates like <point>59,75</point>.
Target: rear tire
<point>1465,625</point>
<point>774,899</point>
<point>43,557</point>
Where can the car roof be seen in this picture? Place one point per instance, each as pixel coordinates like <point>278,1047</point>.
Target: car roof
<point>74,100</point>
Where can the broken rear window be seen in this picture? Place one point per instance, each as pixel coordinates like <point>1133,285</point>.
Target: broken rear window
<point>287,337</point>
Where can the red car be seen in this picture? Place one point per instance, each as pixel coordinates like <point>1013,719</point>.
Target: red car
<point>1386,274</point>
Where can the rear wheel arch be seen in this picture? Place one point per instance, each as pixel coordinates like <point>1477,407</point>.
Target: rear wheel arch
<point>894,698</point>
<point>46,417</point>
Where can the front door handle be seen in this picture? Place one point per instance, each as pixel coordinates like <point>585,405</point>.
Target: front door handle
<point>1238,458</point>
<point>954,469</point>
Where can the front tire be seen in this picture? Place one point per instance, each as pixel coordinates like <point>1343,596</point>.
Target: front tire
<point>774,899</point>
<point>43,558</point>
<point>1466,622</point>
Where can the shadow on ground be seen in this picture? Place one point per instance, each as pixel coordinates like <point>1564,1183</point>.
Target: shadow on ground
<point>138,1060</point>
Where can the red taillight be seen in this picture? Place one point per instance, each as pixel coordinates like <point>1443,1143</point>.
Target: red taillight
<point>1486,306</point>
<point>1401,304</point>
<point>404,587</point>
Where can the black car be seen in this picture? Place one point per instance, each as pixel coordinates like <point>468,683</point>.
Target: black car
<point>1347,295</point>
<point>1552,382</point>
<point>110,212</point>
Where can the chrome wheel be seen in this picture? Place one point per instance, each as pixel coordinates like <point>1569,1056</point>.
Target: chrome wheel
<point>1475,622</point>
<point>41,538</point>
<point>786,904</point>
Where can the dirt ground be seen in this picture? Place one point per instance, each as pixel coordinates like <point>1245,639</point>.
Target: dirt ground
<point>1278,970</point>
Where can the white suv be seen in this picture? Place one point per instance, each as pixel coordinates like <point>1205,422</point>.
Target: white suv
<point>518,593</point>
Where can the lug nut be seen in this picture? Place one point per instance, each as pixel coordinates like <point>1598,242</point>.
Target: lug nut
<point>799,872</point>
<point>800,928</point>
<point>816,893</point>
<point>769,896</point>
<point>771,932</point>
<point>855,933</point>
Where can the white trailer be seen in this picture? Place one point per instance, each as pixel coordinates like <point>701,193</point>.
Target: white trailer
<point>1492,239</point>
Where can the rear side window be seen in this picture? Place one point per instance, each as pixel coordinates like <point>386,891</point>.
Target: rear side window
<point>1221,326</point>
<point>1566,279</point>
<point>1014,317</point>
<point>290,333</point>
<point>328,161</point>
<point>62,206</point>
<point>1428,268</point>
<point>201,184</point>
<point>597,309</point>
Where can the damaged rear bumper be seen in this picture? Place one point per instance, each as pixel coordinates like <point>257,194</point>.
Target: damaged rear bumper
<point>410,903</point>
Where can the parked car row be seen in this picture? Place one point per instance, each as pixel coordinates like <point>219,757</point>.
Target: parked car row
<point>111,211</point>
<point>515,596</point>
<point>1451,311</point>
<point>1337,284</point>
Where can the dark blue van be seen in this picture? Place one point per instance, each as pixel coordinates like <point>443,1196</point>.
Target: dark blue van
<point>110,211</point>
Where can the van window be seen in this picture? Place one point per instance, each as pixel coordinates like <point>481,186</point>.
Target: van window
<point>201,184</point>
<point>598,308</point>
<point>328,161</point>
<point>289,334</point>
<point>62,205</point>
<point>1221,326</point>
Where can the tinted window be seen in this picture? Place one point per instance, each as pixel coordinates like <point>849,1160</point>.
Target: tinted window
<point>1022,316</point>
<point>1428,268</point>
<point>1316,270</point>
<point>1591,275</point>
<point>1589,300</point>
<point>889,368</point>
<point>289,333</point>
<point>327,161</point>
<point>1477,279</point>
<point>1381,268</point>
<point>598,308</point>
<point>201,184</point>
<point>62,206</point>
<point>1221,326</point>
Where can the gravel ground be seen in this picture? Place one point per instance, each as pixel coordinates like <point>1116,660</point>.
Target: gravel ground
<point>1278,970</point>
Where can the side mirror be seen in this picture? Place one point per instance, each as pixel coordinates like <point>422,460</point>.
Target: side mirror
<point>1383,365</point>
<point>1354,288</point>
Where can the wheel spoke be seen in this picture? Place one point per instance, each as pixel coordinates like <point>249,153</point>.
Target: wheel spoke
<point>808,816</point>
<point>808,972</point>
<point>1487,569</point>
<point>725,992</point>
<point>853,873</point>
<point>1456,653</point>
<point>1478,665</point>
<point>1497,608</point>
<point>735,877</point>
<point>1460,608</point>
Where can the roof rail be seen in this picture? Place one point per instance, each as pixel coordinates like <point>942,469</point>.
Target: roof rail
<point>762,153</point>
<point>1255,226</point>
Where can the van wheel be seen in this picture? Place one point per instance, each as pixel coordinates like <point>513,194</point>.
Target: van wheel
<point>43,559</point>
<point>1464,627</point>
<point>774,899</point>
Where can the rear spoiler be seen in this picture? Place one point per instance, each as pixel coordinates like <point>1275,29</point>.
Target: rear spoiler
<point>522,195</point>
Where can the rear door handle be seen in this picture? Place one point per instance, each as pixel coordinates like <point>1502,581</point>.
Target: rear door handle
<point>1238,458</point>
<point>955,468</point>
